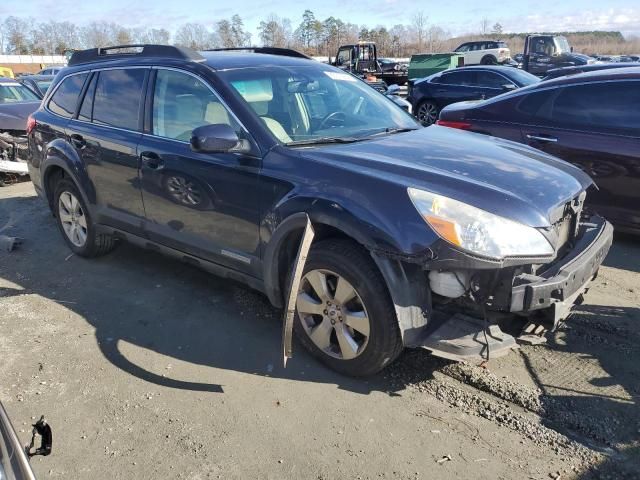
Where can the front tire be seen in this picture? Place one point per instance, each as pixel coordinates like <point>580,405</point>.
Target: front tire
<point>75,223</point>
<point>344,313</point>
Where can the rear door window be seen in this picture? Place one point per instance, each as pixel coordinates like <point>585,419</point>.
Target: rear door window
<point>458,78</point>
<point>65,99</point>
<point>118,98</point>
<point>593,106</point>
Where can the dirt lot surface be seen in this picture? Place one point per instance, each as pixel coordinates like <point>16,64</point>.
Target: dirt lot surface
<point>148,368</point>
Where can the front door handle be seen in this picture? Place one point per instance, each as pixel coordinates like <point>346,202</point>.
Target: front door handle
<point>151,161</point>
<point>78,141</point>
<point>540,138</point>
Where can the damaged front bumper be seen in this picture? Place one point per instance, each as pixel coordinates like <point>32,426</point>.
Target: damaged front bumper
<point>558,288</point>
<point>13,154</point>
<point>473,325</point>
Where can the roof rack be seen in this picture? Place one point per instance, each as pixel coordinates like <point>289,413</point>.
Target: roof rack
<point>285,52</point>
<point>116,52</point>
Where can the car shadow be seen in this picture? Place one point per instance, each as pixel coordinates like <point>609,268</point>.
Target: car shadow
<point>141,298</point>
<point>588,375</point>
<point>626,255</point>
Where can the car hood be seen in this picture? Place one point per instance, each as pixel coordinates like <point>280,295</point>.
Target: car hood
<point>502,177</point>
<point>13,116</point>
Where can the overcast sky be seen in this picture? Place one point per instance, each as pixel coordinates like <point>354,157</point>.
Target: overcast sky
<point>463,17</point>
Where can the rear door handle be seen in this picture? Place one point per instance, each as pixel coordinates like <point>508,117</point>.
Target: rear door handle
<point>151,161</point>
<point>540,138</point>
<point>78,141</point>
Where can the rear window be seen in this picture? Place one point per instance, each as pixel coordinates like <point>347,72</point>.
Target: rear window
<point>65,99</point>
<point>118,98</point>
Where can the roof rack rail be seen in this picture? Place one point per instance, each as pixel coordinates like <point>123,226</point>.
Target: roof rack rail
<point>285,52</point>
<point>117,52</point>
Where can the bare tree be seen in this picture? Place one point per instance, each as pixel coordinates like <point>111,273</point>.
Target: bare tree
<point>16,31</point>
<point>194,35</point>
<point>97,34</point>
<point>275,31</point>
<point>484,26</point>
<point>420,26</point>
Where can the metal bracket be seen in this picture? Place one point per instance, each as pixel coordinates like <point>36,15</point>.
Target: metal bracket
<point>294,285</point>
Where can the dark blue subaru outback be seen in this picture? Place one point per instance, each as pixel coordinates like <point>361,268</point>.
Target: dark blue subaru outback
<point>432,238</point>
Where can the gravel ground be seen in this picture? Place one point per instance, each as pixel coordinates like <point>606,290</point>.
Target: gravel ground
<point>149,368</point>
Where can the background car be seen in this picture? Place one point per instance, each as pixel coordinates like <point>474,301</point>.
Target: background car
<point>38,83</point>
<point>484,52</point>
<point>389,65</point>
<point>580,120</point>
<point>50,71</point>
<point>429,95</point>
<point>17,102</point>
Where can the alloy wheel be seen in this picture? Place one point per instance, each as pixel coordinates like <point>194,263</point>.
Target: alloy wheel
<point>333,315</point>
<point>72,218</point>
<point>427,114</point>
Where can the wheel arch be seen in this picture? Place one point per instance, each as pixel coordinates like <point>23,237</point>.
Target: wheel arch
<point>405,282</point>
<point>282,248</point>
<point>489,57</point>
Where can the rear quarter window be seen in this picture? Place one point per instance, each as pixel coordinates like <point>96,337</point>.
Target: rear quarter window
<point>65,99</point>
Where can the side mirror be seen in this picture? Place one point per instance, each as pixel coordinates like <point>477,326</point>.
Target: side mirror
<point>507,87</point>
<point>218,138</point>
<point>393,90</point>
<point>571,48</point>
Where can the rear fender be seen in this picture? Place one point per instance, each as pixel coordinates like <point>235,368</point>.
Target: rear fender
<point>60,154</point>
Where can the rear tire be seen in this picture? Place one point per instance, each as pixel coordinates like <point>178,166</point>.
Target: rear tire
<point>363,328</point>
<point>427,112</point>
<point>75,223</point>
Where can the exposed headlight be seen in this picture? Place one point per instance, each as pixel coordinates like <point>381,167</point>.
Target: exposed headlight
<point>476,230</point>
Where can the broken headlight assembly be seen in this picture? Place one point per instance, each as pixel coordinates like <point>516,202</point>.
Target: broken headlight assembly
<point>478,231</point>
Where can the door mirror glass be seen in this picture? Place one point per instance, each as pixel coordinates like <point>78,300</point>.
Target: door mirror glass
<point>218,138</point>
<point>508,87</point>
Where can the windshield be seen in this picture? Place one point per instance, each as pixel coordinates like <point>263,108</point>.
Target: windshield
<point>522,77</point>
<point>14,93</point>
<point>562,45</point>
<point>316,103</point>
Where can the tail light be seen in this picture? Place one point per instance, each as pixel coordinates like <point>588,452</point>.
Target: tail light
<point>452,124</point>
<point>31,124</point>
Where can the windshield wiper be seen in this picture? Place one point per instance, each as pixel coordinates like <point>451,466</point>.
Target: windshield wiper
<point>323,140</point>
<point>391,131</point>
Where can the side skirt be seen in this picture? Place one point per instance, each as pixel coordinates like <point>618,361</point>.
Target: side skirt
<point>211,267</point>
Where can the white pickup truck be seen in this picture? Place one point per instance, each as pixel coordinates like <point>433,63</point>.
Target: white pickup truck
<point>484,52</point>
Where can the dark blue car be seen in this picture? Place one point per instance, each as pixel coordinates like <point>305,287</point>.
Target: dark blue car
<point>591,120</point>
<point>229,160</point>
<point>431,94</point>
